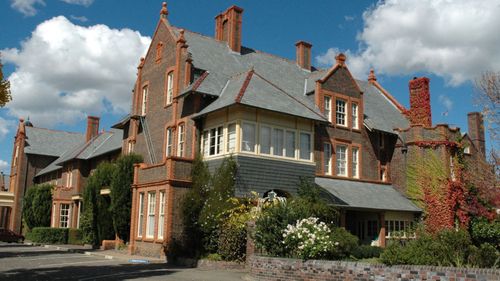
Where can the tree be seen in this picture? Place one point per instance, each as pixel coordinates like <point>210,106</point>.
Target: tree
<point>192,205</point>
<point>487,94</point>
<point>96,219</point>
<point>36,206</point>
<point>121,196</point>
<point>5,95</point>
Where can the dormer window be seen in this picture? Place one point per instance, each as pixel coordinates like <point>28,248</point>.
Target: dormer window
<point>341,112</point>
<point>170,87</point>
<point>144,100</point>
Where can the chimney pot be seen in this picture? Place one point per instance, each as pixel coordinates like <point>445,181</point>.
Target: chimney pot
<point>303,50</point>
<point>420,102</point>
<point>92,127</point>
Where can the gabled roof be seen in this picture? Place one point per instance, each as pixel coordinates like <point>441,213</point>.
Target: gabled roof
<point>50,142</point>
<point>103,143</point>
<point>224,68</point>
<point>363,195</point>
<point>252,89</point>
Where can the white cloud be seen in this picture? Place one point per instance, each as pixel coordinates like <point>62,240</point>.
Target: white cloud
<point>79,2</point>
<point>3,165</point>
<point>5,127</point>
<point>456,40</point>
<point>79,18</point>
<point>65,71</point>
<point>26,7</point>
<point>349,18</point>
<point>447,103</point>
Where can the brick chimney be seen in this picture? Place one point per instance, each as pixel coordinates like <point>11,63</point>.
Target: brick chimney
<point>476,131</point>
<point>92,127</point>
<point>420,102</point>
<point>303,54</point>
<point>228,27</point>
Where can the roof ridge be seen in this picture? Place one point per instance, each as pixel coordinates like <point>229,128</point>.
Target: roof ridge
<point>291,96</point>
<point>244,86</point>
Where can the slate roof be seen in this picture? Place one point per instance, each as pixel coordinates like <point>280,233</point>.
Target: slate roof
<point>101,144</point>
<point>252,89</point>
<point>363,195</point>
<point>50,142</point>
<point>225,69</point>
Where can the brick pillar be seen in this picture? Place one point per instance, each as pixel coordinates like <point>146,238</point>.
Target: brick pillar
<point>250,251</point>
<point>381,233</point>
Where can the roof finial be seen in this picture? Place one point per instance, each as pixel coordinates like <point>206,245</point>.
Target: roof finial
<point>181,37</point>
<point>164,11</point>
<point>371,77</point>
<point>341,59</point>
<point>141,64</point>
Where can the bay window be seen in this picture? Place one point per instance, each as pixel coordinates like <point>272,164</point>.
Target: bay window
<point>161,219</point>
<point>341,154</point>
<point>150,225</point>
<point>231,137</point>
<point>265,140</point>
<point>213,141</point>
<point>290,144</point>
<point>64,216</point>
<point>248,137</point>
<point>305,146</point>
<point>278,138</point>
<point>140,220</point>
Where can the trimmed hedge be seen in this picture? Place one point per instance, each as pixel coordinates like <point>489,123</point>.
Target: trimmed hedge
<point>48,235</point>
<point>52,235</point>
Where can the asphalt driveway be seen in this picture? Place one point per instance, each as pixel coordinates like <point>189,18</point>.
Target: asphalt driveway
<point>23,262</point>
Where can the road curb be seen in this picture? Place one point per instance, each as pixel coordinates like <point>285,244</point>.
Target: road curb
<point>89,253</point>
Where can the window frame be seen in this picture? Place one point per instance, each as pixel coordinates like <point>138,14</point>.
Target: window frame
<point>151,216</point>
<point>218,146</point>
<point>169,87</point>
<point>327,159</point>
<point>140,218</point>
<point>67,215</point>
<point>354,117</point>
<point>242,136</point>
<point>299,146</point>
<point>169,142</point>
<point>344,113</point>
<point>327,108</point>
<point>181,140</point>
<point>161,215</point>
<point>345,160</point>
<point>358,162</point>
<point>144,99</point>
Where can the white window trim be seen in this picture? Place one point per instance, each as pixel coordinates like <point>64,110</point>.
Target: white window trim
<point>355,117</point>
<point>256,137</point>
<point>227,137</point>
<point>169,146</point>
<point>150,220</point>
<point>181,140</point>
<point>144,100</point>
<point>68,215</point>
<point>311,143</point>
<point>222,148</point>
<point>328,107</point>
<point>345,113</point>
<point>355,148</point>
<point>161,216</point>
<point>140,218</point>
<point>170,87</point>
<point>327,162</point>
<point>346,160</point>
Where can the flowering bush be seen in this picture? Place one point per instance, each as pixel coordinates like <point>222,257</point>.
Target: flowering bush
<point>309,239</point>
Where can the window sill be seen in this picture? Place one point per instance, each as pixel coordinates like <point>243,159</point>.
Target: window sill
<point>168,105</point>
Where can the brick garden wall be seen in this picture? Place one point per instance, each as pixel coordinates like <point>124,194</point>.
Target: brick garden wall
<point>266,268</point>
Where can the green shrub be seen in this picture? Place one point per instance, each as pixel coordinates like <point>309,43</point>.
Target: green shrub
<point>217,203</point>
<point>346,243</point>
<point>366,252</point>
<point>37,204</point>
<point>485,256</point>
<point>48,235</point>
<point>121,196</point>
<point>214,257</point>
<point>483,231</point>
<point>75,236</point>
<point>394,254</point>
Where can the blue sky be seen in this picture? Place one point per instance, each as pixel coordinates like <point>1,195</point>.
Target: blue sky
<point>70,58</point>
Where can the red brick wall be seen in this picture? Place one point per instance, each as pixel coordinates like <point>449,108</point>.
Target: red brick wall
<point>270,269</point>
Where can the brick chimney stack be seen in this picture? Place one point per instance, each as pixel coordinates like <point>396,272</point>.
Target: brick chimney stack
<point>476,131</point>
<point>92,127</point>
<point>303,54</point>
<point>228,27</point>
<point>420,102</point>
